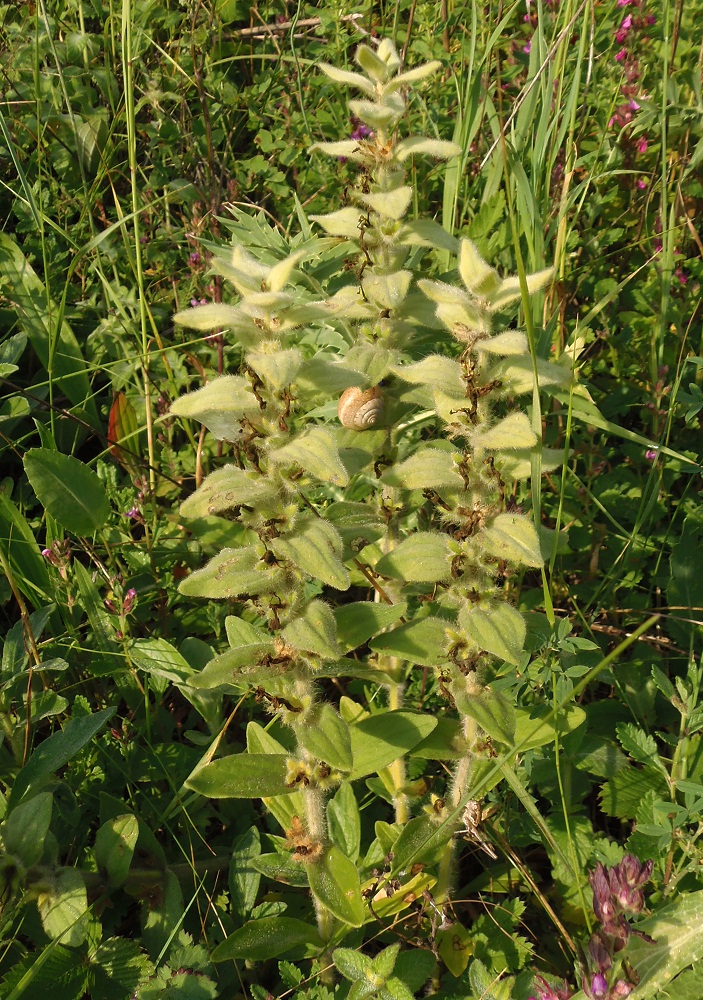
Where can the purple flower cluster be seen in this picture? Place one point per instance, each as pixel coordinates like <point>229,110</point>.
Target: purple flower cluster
<point>628,36</point>
<point>617,891</point>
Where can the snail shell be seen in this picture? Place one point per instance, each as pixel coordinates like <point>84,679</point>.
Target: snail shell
<point>360,409</point>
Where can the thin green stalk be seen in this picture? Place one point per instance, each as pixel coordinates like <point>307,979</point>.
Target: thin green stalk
<point>128,76</point>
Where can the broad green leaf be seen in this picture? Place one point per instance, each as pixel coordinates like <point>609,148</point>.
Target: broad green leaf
<point>159,657</point>
<point>518,464</point>
<point>445,742</point>
<point>315,631</point>
<point>315,452</point>
<point>56,751</point>
<point>326,736</point>
<point>26,827</point>
<point>678,943</point>
<point>277,279</point>
<point>63,908</point>
<point>380,116</point>
<point>415,967</point>
<point>424,556</point>
<point>358,621</point>
<point>114,846</point>
<point>243,879</point>
<point>388,906</point>
<point>428,468</point>
<point>232,573</point>
<point>315,548</point>
<point>455,947</point>
<point>226,488</point>
<point>352,964</point>
<point>334,881</point>
<point>510,289</point>
<point>283,807</point>
<point>230,667</point>
<point>268,937</point>
<point>281,868</point>
<point>382,738</point>
<point>436,371</point>
<point>496,627</point>
<point>220,405</point>
<point>512,537</point>
<point>378,65</point>
<point>514,431</point>
<point>536,727</point>
<point>162,916</point>
<point>345,222</point>
<point>242,776</point>
<point>423,642</point>
<point>413,75</point>
<point>516,374</point>
<point>344,821</point>
<point>420,840</point>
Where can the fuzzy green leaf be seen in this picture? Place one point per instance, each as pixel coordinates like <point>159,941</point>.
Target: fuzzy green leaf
<point>345,222</point>
<point>424,557</point>
<point>428,468</point>
<point>423,642</point>
<point>277,369</point>
<point>361,620</point>
<point>326,736</point>
<point>512,537</point>
<point>220,405</point>
<point>314,632</point>
<point>212,316</point>
<point>281,868</point>
<point>316,453</point>
<point>493,711</point>
<point>232,573</point>
<point>63,908</point>
<point>352,964</point>
<point>226,488</point>
<point>345,76</point>
<point>508,342</point>
<point>437,372</point>
<point>438,149</point>
<point>315,548</point>
<point>391,204</point>
<point>496,627</point>
<point>387,291</point>
<point>513,431</point>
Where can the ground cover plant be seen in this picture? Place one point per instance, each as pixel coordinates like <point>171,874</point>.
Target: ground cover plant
<point>350,519</point>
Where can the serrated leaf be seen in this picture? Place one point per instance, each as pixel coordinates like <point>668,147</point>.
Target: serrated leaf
<point>70,491</point>
<point>424,557</point>
<point>220,405</point>
<point>334,881</point>
<point>382,738</point>
<point>428,468</point>
<point>512,537</point>
<point>423,642</point>
<point>352,964</point>
<point>497,628</point>
<point>641,746</point>
<point>315,452</point>
<point>513,431</point>
<point>621,796</point>
<point>268,937</point>
<point>315,548</point>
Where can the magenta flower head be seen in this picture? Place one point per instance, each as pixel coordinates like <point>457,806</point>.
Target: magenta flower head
<point>599,987</point>
<point>642,145</point>
<point>621,989</point>
<point>619,56</point>
<point>626,881</point>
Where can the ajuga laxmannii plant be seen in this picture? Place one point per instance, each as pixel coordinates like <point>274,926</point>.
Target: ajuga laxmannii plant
<point>400,500</point>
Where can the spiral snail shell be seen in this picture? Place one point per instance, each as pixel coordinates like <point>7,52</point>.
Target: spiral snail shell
<point>360,409</point>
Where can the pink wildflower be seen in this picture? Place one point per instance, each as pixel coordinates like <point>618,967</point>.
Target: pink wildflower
<point>619,56</point>
<point>634,106</point>
<point>527,47</point>
<point>642,183</point>
<point>681,275</point>
<point>642,145</point>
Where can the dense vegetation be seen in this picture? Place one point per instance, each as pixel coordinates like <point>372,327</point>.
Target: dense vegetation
<point>540,832</point>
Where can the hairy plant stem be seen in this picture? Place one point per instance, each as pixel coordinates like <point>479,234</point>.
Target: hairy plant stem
<point>460,789</point>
